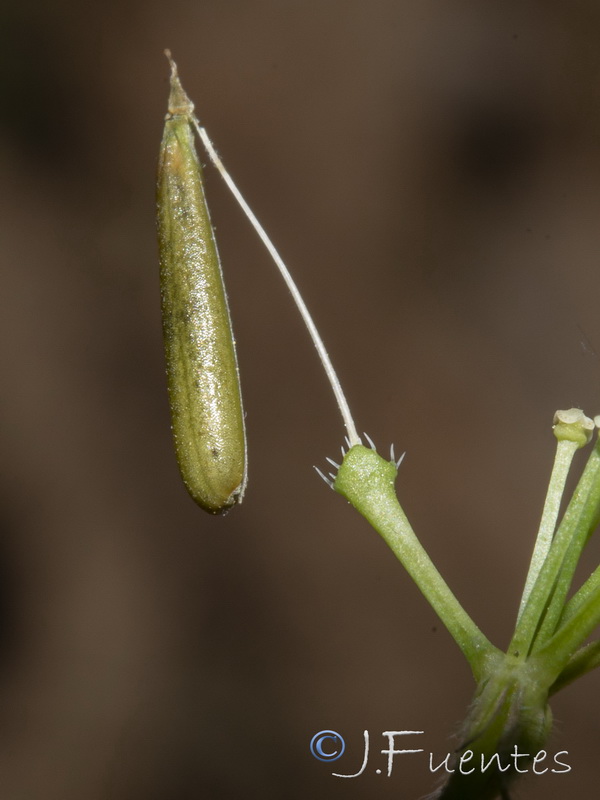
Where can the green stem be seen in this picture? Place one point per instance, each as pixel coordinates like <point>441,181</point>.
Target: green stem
<point>575,603</point>
<point>565,451</point>
<point>585,659</point>
<point>587,503</point>
<point>367,481</point>
<point>581,514</point>
<point>560,648</point>
<point>509,713</point>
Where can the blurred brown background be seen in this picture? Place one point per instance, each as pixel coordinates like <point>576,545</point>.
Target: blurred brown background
<point>431,173</point>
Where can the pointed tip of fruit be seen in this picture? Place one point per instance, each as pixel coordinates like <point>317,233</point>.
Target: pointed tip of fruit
<point>179,102</point>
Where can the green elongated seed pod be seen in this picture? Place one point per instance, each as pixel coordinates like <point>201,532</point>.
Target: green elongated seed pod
<point>203,380</point>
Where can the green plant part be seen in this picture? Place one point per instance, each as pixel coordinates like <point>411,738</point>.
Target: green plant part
<point>508,725</point>
<point>366,480</point>
<point>203,380</point>
<point>510,713</point>
<point>572,430</point>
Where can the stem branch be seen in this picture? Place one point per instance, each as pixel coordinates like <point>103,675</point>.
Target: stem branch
<point>367,481</point>
<point>565,451</point>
